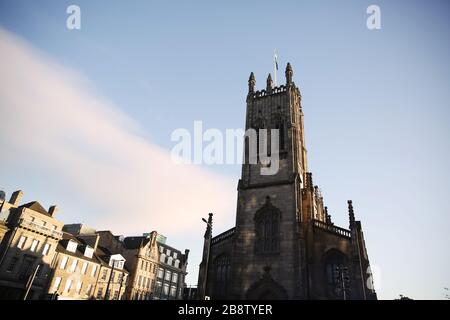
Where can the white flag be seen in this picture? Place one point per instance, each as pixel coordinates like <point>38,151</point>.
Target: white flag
<point>275,59</point>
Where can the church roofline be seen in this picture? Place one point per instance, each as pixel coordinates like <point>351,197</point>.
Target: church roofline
<point>269,89</point>
<point>223,236</point>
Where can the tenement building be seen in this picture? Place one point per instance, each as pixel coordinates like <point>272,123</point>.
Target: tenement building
<point>156,270</point>
<point>170,278</point>
<point>284,244</point>
<point>142,259</point>
<point>4,214</point>
<point>27,248</point>
<point>82,270</point>
<point>111,275</point>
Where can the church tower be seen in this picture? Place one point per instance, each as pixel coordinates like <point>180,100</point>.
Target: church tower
<point>284,245</point>
<point>269,206</point>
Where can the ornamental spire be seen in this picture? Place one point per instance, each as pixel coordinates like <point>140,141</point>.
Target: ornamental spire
<point>289,74</point>
<point>351,214</point>
<point>269,85</point>
<point>208,222</point>
<point>251,83</point>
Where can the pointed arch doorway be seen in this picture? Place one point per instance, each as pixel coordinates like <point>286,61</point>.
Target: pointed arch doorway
<point>266,288</point>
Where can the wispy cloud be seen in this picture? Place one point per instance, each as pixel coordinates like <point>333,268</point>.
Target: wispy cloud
<point>52,122</point>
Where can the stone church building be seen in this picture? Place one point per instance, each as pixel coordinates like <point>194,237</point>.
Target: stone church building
<point>284,245</point>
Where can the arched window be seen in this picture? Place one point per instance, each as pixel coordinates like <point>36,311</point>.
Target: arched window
<point>336,273</point>
<point>267,228</point>
<point>162,258</point>
<point>221,276</point>
<point>281,133</point>
<point>279,124</point>
<point>259,125</point>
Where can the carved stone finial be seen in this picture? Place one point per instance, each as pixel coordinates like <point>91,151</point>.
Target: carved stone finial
<point>210,218</point>
<point>309,181</point>
<point>251,83</point>
<point>329,219</point>
<point>351,214</point>
<point>208,222</point>
<point>289,73</point>
<point>327,216</point>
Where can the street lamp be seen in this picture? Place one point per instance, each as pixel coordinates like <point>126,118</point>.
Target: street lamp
<point>30,282</point>
<point>122,282</point>
<point>111,275</point>
<point>207,247</point>
<point>206,221</point>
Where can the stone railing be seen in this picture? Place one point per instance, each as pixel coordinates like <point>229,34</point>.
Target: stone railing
<point>30,225</point>
<point>263,93</point>
<point>224,235</point>
<point>332,229</point>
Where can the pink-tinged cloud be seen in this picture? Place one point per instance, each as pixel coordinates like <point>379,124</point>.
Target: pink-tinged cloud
<point>53,124</point>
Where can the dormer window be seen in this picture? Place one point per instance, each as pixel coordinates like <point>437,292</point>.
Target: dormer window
<point>71,246</point>
<point>117,261</point>
<point>88,252</point>
<point>118,264</point>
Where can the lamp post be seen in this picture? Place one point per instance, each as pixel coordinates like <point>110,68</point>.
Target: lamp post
<point>202,285</point>
<point>122,280</point>
<point>30,282</point>
<point>110,277</point>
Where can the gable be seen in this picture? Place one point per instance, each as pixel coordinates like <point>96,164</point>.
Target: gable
<point>35,206</point>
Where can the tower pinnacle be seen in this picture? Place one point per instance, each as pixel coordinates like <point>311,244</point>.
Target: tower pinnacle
<point>251,83</point>
<point>269,85</point>
<point>289,74</point>
<point>351,214</point>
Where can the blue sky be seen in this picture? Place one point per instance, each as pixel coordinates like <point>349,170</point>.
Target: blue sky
<point>376,107</point>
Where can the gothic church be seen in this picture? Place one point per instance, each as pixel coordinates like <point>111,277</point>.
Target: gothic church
<point>284,245</point>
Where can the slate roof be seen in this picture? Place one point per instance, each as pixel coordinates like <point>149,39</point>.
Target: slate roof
<point>35,206</point>
<point>79,253</point>
<point>135,242</point>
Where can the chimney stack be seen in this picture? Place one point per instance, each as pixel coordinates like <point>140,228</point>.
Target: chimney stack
<point>53,210</point>
<point>16,197</point>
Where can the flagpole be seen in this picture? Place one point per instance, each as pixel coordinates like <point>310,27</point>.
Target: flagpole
<point>275,67</point>
<point>275,62</point>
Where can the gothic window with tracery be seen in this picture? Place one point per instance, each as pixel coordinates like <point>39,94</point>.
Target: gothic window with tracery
<point>258,125</point>
<point>279,124</point>
<point>336,272</point>
<point>222,276</point>
<point>267,229</point>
